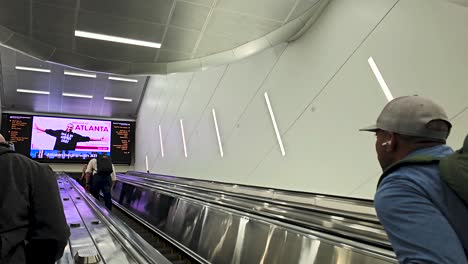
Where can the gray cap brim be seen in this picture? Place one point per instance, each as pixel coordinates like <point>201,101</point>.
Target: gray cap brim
<point>372,128</point>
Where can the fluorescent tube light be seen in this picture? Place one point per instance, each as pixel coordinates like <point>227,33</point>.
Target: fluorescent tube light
<point>380,79</point>
<point>146,163</point>
<point>183,136</point>
<point>80,74</point>
<point>77,95</point>
<point>217,133</point>
<point>32,69</point>
<point>84,34</point>
<point>117,99</point>
<point>273,120</point>
<point>161,142</point>
<point>122,79</point>
<point>32,91</point>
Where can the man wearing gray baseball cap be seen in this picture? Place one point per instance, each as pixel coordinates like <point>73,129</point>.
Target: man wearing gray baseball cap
<point>426,221</point>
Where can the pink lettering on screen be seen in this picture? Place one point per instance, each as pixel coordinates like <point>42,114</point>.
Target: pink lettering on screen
<point>91,128</point>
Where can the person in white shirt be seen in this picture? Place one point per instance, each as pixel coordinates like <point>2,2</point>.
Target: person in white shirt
<point>101,180</point>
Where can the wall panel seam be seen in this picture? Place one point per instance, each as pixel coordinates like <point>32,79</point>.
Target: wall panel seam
<point>325,86</point>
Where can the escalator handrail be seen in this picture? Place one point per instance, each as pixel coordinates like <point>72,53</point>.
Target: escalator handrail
<point>271,198</point>
<point>133,244</point>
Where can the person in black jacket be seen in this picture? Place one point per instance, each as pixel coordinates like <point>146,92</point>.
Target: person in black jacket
<point>33,228</point>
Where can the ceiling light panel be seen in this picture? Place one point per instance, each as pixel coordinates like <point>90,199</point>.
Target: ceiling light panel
<point>22,68</point>
<point>32,91</point>
<point>80,74</point>
<point>122,79</point>
<point>117,99</point>
<point>77,95</point>
<point>84,34</point>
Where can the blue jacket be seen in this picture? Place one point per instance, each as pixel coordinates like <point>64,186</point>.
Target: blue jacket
<point>425,221</point>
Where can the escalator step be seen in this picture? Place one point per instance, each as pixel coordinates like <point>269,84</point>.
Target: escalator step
<point>159,244</point>
<point>173,257</point>
<point>180,262</point>
<point>165,250</point>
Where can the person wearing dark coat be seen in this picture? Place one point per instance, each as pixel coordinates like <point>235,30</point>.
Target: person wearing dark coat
<point>33,228</point>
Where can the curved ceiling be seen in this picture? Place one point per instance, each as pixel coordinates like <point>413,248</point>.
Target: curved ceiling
<point>194,33</point>
<point>33,86</point>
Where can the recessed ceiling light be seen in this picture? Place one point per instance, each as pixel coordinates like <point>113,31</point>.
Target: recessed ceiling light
<point>77,95</point>
<point>32,69</point>
<point>122,79</point>
<point>84,34</point>
<point>32,91</point>
<point>117,99</point>
<point>80,74</point>
<point>275,126</point>
<point>380,79</point>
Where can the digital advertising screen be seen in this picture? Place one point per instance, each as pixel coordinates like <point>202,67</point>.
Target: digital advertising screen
<point>54,137</point>
<point>63,139</point>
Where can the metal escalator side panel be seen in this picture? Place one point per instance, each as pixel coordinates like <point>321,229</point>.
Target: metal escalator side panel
<point>221,235</point>
<point>96,230</point>
<point>352,206</point>
<point>360,229</point>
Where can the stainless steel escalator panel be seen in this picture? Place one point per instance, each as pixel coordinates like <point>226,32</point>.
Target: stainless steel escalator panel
<point>222,235</point>
<point>98,238</point>
<point>360,208</point>
<point>108,246</point>
<point>361,229</point>
<point>79,236</point>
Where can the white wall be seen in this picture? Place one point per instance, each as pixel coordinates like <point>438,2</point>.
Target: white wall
<point>322,91</point>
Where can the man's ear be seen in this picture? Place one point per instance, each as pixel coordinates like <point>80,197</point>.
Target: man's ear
<point>393,142</point>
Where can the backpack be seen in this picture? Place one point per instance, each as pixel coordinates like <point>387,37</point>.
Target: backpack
<point>104,165</point>
<point>453,169</point>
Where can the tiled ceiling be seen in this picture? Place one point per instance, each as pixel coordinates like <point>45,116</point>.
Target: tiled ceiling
<point>57,83</point>
<point>187,29</point>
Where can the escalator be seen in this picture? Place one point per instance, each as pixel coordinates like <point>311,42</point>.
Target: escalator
<point>217,223</point>
<point>96,235</point>
<point>170,252</point>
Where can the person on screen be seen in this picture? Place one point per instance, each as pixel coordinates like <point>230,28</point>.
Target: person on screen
<point>67,139</point>
<point>33,228</point>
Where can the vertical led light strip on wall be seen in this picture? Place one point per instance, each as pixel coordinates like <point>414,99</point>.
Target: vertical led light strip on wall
<point>183,136</point>
<point>146,162</point>
<point>161,142</point>
<point>380,79</point>
<point>217,133</point>
<point>273,120</point>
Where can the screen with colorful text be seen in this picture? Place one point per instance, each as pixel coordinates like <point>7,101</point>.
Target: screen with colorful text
<point>61,139</point>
